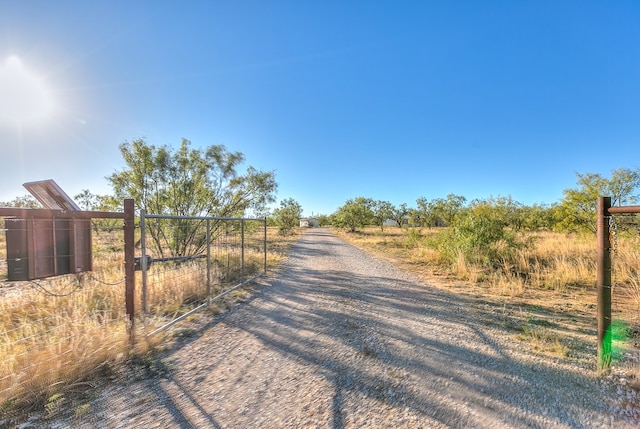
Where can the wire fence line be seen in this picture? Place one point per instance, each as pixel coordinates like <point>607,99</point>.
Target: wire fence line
<point>59,330</point>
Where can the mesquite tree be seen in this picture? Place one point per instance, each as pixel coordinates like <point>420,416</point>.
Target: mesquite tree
<point>355,213</point>
<point>287,216</point>
<point>577,211</point>
<point>189,182</point>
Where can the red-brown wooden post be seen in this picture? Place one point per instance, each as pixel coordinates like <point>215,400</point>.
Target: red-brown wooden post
<point>265,244</point>
<point>129,263</point>
<point>604,283</point>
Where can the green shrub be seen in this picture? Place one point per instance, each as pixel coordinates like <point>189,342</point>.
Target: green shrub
<point>414,237</point>
<point>480,236</point>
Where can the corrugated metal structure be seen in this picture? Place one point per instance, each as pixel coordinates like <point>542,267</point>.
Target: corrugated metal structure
<point>46,246</point>
<point>39,248</point>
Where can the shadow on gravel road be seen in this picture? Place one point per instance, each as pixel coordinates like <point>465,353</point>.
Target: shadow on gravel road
<point>339,339</point>
<point>410,347</point>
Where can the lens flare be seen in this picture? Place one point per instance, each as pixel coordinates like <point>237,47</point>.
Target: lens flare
<point>24,95</point>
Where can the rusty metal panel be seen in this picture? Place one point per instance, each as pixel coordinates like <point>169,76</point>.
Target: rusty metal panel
<point>39,248</point>
<point>81,259</point>
<point>17,249</point>
<point>62,250</point>
<point>42,261</point>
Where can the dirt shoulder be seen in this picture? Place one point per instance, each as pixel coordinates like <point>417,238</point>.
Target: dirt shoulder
<point>339,339</point>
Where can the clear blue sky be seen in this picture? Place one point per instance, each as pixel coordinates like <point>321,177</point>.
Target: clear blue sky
<point>392,100</point>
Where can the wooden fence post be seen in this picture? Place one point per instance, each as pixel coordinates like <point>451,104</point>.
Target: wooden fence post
<point>604,283</point>
<point>129,263</point>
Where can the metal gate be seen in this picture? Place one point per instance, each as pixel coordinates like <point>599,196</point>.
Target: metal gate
<point>188,262</point>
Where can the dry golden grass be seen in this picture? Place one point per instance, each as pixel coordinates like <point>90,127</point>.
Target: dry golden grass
<point>554,261</point>
<point>544,340</point>
<point>48,344</point>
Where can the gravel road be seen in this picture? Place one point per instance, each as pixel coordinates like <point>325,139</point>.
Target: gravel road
<point>338,339</point>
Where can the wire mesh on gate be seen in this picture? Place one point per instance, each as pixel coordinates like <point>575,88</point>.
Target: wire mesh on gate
<point>59,330</point>
<point>187,262</point>
<point>624,236</point>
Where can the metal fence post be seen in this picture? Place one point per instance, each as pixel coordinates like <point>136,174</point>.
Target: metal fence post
<point>208,238</point>
<point>129,263</point>
<point>242,247</point>
<point>604,283</point>
<point>265,245</point>
<point>143,262</point>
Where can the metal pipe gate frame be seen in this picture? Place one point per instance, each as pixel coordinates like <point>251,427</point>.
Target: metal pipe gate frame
<point>145,259</point>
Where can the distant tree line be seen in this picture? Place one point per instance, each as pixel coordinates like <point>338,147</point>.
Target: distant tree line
<point>576,212</point>
<point>488,231</point>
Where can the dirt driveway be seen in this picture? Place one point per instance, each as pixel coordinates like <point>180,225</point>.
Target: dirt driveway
<point>338,339</point>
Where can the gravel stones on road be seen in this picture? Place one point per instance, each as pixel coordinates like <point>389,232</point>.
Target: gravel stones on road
<point>338,339</point>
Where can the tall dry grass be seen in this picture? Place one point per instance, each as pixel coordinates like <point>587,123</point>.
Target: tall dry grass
<point>48,343</point>
<point>63,332</point>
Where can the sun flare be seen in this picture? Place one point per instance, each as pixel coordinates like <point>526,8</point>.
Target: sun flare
<point>24,95</point>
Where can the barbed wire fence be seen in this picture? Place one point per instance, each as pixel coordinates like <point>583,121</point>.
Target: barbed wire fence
<point>60,331</point>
